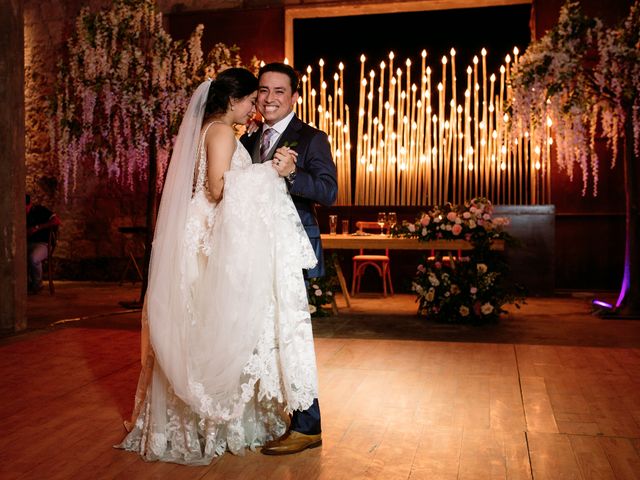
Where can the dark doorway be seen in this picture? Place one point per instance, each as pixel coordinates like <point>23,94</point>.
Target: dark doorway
<point>344,39</point>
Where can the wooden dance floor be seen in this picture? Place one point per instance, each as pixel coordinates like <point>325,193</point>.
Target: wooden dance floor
<point>391,409</point>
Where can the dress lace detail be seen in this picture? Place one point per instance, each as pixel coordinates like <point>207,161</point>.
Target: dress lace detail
<point>244,260</point>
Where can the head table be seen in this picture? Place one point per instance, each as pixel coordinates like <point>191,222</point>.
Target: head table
<point>383,242</point>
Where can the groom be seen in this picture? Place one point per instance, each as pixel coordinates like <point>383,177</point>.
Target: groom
<point>311,178</point>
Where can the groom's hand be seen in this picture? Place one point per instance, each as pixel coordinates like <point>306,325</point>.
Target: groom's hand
<point>284,161</point>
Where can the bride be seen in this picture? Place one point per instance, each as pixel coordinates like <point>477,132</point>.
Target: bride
<point>227,347</point>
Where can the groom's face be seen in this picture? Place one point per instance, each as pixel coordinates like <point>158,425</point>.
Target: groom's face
<point>275,98</point>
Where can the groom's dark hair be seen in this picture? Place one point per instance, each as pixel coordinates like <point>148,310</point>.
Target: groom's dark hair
<point>282,68</point>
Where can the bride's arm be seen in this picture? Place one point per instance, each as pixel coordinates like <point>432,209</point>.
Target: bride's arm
<point>220,144</point>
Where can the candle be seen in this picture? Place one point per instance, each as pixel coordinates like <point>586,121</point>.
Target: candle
<point>359,140</point>
<point>474,161</point>
<point>310,111</point>
<point>304,99</point>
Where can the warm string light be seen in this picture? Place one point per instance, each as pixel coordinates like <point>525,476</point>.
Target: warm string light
<point>417,146</point>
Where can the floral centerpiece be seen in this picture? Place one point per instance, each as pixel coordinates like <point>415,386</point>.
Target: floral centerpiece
<point>470,289</point>
<point>473,221</point>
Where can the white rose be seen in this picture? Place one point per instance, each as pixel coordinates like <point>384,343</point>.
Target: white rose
<point>486,309</point>
<point>412,227</point>
<point>464,311</point>
<point>318,293</point>
<point>482,268</point>
<point>312,309</point>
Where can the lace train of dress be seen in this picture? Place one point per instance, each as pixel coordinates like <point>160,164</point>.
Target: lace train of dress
<point>245,326</point>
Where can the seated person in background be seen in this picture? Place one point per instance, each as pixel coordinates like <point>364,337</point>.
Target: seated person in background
<point>39,221</point>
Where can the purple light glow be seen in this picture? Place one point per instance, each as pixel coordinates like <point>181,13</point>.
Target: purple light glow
<point>625,279</point>
<point>600,303</point>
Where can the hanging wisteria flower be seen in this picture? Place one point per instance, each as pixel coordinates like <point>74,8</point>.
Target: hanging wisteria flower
<point>556,89</point>
<point>124,84</point>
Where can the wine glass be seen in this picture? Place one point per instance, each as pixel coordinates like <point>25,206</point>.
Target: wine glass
<point>382,220</point>
<point>393,219</point>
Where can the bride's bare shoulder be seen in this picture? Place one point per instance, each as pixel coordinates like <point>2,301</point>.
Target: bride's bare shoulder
<point>218,132</point>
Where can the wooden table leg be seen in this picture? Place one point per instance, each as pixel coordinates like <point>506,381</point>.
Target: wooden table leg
<point>343,283</point>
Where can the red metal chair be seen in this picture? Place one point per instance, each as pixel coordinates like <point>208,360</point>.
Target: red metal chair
<point>380,263</point>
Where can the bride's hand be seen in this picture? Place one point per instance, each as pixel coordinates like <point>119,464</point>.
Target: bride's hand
<point>284,161</point>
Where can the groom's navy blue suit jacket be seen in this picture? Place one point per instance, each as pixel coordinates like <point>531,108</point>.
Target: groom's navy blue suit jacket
<point>315,180</point>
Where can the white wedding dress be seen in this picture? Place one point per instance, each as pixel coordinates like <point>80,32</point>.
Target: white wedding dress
<point>231,347</point>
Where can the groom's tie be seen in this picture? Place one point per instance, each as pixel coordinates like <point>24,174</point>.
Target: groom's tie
<point>264,144</point>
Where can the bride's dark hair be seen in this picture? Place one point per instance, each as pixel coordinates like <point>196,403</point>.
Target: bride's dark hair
<point>232,83</point>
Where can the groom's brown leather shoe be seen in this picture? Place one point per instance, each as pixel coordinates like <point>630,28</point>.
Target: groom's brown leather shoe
<point>292,442</point>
